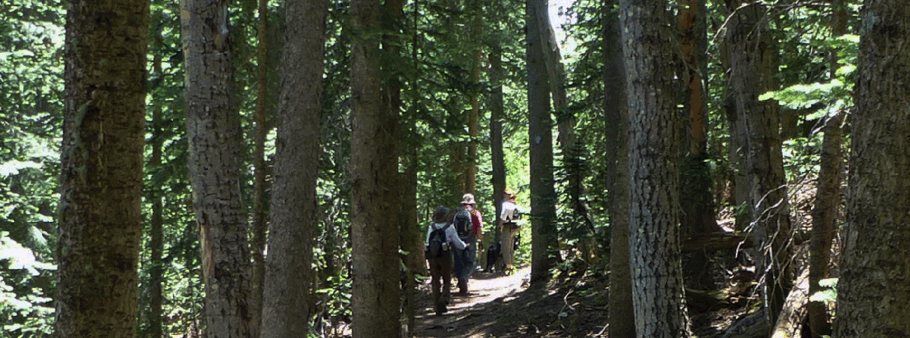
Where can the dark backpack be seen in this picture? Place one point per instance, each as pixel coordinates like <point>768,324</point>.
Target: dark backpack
<point>437,241</point>
<point>463,222</point>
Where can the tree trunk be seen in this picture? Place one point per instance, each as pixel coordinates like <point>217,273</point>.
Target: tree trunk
<point>156,195</point>
<point>374,171</point>
<point>497,115</point>
<point>566,121</point>
<point>287,293</point>
<point>657,285</point>
<point>827,196</point>
<point>213,131</point>
<point>698,214</point>
<point>873,293</point>
<point>751,74</point>
<point>260,200</point>
<point>543,194</point>
<point>621,312</point>
<point>100,227</point>
<point>476,8</point>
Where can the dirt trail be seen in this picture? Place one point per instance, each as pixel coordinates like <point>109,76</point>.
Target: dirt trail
<point>477,315</point>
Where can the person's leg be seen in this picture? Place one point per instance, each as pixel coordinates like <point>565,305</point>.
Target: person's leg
<point>436,273</point>
<point>507,238</point>
<point>446,272</point>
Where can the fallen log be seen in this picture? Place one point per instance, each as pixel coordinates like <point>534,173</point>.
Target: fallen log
<point>716,241</point>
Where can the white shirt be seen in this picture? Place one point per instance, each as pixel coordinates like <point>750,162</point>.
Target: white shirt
<point>451,235</point>
<point>509,212</point>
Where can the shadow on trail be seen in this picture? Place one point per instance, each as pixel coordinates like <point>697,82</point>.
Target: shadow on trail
<point>501,306</point>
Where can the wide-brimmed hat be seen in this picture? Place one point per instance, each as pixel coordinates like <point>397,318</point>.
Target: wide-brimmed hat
<point>511,193</point>
<point>467,199</point>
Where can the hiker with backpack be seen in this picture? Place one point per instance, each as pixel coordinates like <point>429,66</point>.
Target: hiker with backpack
<point>468,223</point>
<point>442,241</point>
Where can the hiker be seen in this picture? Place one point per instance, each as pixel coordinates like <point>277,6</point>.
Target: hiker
<point>441,238</point>
<point>469,226</point>
<point>508,222</point>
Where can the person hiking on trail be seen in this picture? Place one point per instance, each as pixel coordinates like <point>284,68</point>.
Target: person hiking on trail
<point>509,226</point>
<point>469,225</point>
<point>441,237</point>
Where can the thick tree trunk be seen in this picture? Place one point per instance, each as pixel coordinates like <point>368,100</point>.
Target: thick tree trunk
<point>374,171</point>
<point>657,285</point>
<point>543,191</point>
<point>873,293</point>
<point>287,293</point>
<point>751,74</point>
<point>260,199</point>
<point>100,224</point>
<point>213,130</point>
<point>621,312</point>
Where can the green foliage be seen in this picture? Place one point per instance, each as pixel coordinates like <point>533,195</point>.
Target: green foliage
<point>31,46</point>
<point>828,295</point>
<point>25,283</point>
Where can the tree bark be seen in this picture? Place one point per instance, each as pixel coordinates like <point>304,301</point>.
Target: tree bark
<point>657,285</point>
<point>697,202</point>
<point>827,196</point>
<point>751,74</point>
<point>374,172</point>
<point>571,151</point>
<point>543,193</point>
<point>214,134</point>
<point>100,224</point>
<point>260,199</point>
<point>476,8</point>
<point>497,115</point>
<point>156,195</point>
<point>621,312</point>
<point>287,293</point>
<point>873,293</point>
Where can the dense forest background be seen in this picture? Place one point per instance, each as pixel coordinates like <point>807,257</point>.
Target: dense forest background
<point>684,153</point>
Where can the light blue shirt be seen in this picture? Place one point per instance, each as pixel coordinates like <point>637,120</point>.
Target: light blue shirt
<point>451,235</point>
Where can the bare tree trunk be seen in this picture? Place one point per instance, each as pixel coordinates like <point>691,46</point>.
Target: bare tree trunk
<point>566,121</point>
<point>156,232</point>
<point>543,194</point>
<point>100,224</point>
<point>698,214</point>
<point>621,312</point>
<point>873,293</point>
<point>752,74</point>
<point>260,200</point>
<point>497,113</point>
<point>374,170</point>
<point>827,196</point>
<point>657,285</point>
<point>213,130</point>
<point>287,292</point>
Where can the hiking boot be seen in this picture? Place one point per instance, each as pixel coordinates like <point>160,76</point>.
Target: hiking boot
<point>463,287</point>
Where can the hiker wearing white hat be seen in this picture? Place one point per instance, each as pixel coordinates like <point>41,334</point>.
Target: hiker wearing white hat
<point>468,223</point>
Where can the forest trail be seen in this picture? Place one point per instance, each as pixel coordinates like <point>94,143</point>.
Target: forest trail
<point>479,314</point>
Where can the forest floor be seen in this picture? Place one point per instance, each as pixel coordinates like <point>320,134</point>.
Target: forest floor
<point>506,307</point>
<point>572,304</point>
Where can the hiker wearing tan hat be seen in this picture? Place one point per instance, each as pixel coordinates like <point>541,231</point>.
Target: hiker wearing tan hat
<point>468,223</point>
<point>508,221</point>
